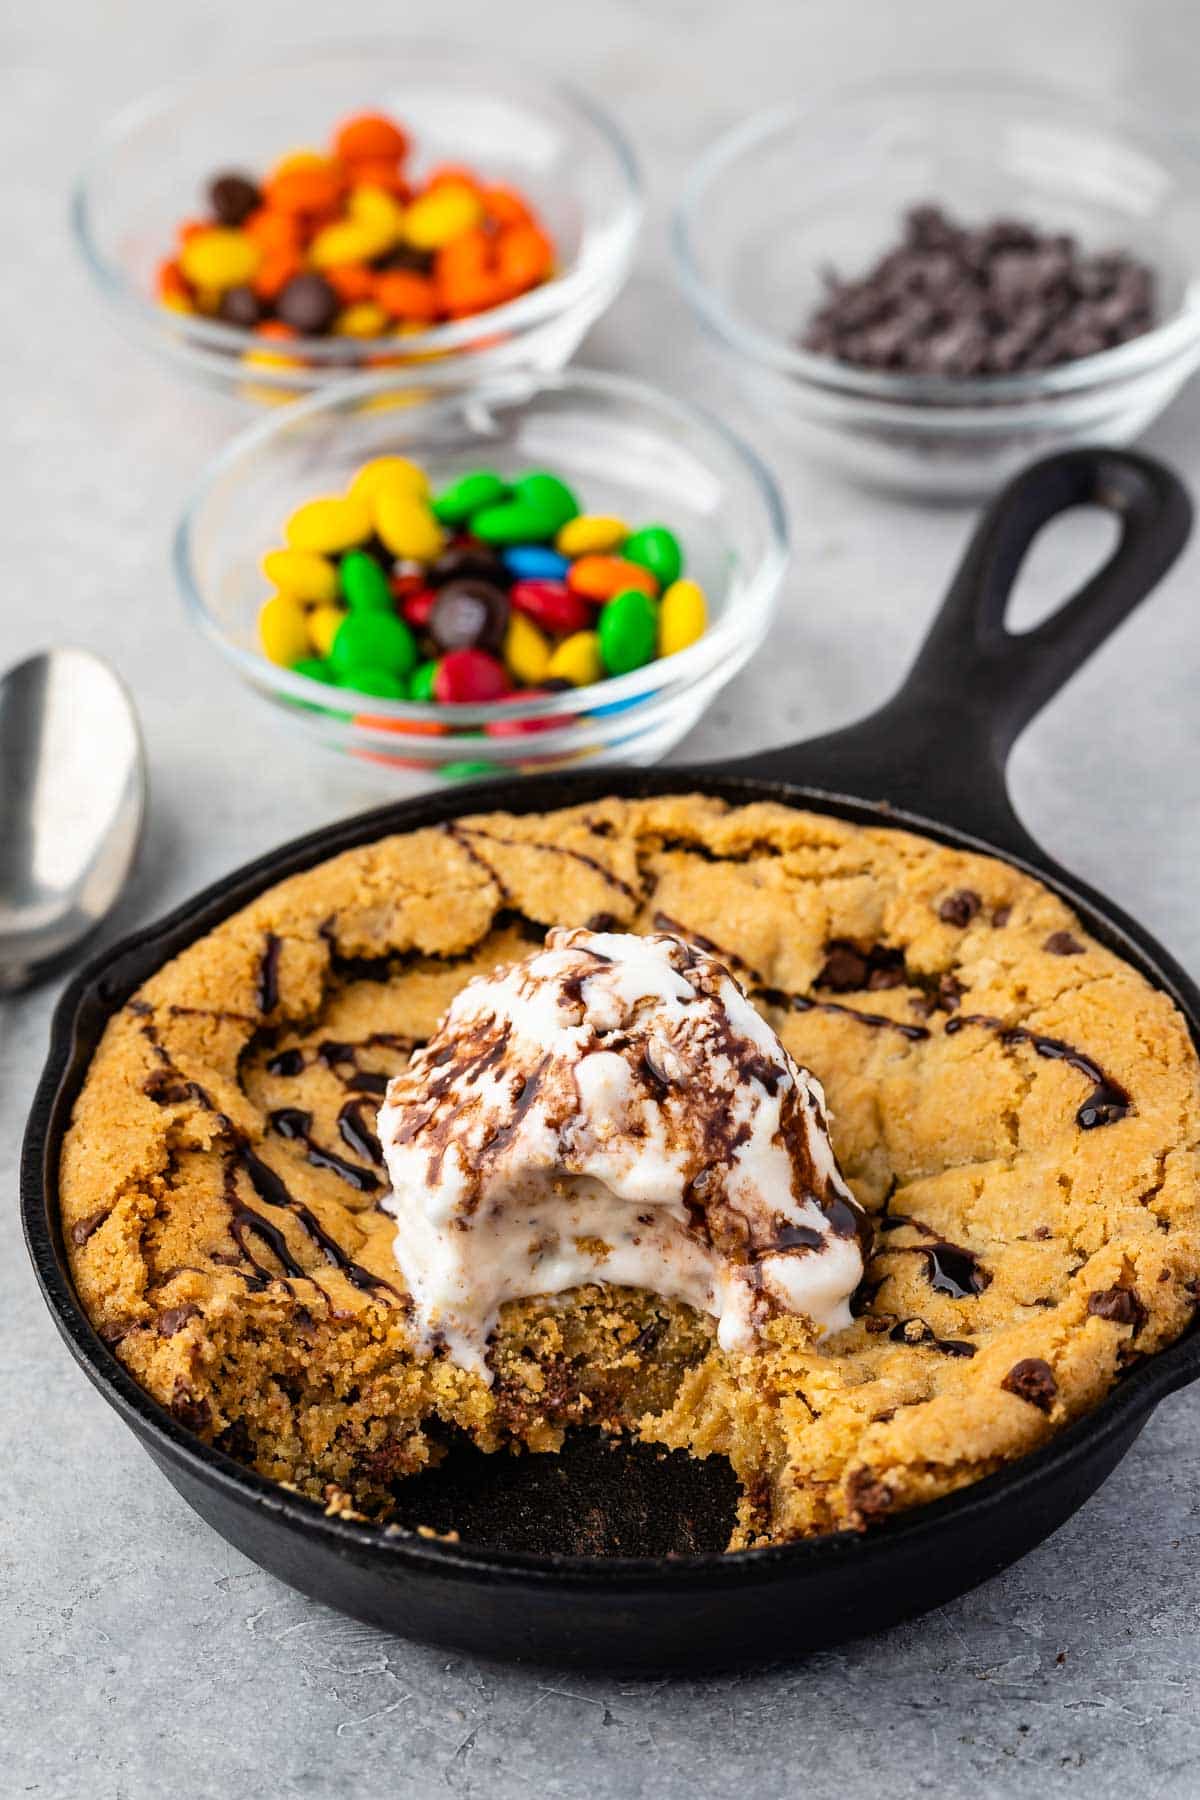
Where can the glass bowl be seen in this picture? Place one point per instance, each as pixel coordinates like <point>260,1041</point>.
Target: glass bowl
<point>795,191</point>
<point>625,447</point>
<point>150,168</point>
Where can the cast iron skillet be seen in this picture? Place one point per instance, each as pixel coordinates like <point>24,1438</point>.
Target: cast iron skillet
<point>932,759</point>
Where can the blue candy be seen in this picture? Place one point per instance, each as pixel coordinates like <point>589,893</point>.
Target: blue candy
<point>535,562</point>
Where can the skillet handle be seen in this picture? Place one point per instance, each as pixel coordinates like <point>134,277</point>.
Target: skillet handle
<point>939,747</point>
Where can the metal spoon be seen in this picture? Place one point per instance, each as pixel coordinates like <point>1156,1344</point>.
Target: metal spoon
<point>72,802</point>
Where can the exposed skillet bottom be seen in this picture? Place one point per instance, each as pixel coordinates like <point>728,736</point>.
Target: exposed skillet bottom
<point>932,761</point>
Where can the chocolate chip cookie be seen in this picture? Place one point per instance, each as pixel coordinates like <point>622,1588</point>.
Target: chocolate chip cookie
<point>1016,1109</point>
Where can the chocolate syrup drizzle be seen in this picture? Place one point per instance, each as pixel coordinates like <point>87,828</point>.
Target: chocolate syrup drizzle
<point>268,975</point>
<point>900,1334</point>
<point>466,837</point>
<point>803,1003</point>
<point>293,1123</point>
<point>949,1268</point>
<point>169,1086</point>
<point>1108,1100</point>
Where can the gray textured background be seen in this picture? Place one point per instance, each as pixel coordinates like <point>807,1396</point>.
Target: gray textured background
<point>138,1655</point>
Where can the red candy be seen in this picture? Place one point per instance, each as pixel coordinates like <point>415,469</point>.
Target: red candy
<point>469,676</point>
<point>552,606</point>
<point>417,606</point>
<point>523,727</point>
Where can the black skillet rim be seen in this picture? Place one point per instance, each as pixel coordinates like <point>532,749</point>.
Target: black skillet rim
<point>1135,1396</point>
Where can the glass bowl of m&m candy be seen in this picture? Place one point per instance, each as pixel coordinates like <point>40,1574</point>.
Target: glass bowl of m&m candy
<point>275,229</point>
<point>529,573</point>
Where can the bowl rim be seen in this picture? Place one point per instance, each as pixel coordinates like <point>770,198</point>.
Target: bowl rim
<point>335,356</point>
<point>725,643</point>
<point>1175,336</point>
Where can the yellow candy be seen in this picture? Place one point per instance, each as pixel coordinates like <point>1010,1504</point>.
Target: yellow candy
<point>302,574</point>
<point>682,617</point>
<point>350,241</point>
<point>375,206</point>
<point>220,259</point>
<point>389,474</point>
<point>362,320</point>
<point>577,660</point>
<point>591,534</point>
<point>329,525</point>
<point>526,650</point>
<point>406,525</point>
<point>446,212</point>
<point>324,623</point>
<point>283,630</point>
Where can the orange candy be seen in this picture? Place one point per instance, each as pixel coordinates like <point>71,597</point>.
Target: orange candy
<point>505,206</point>
<point>273,230</point>
<point>315,190</point>
<point>171,284</point>
<point>407,295</point>
<point>369,137</point>
<point>524,256</point>
<point>275,271</point>
<point>352,282</point>
<point>374,172</point>
<point>600,577</point>
<point>499,252</point>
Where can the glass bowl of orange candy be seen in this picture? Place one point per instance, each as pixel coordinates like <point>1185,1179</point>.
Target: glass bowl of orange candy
<point>359,209</point>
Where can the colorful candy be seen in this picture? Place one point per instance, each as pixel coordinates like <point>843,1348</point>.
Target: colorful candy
<point>490,585</point>
<point>628,631</point>
<point>348,243</point>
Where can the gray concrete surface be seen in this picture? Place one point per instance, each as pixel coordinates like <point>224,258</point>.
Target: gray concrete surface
<point>139,1656</point>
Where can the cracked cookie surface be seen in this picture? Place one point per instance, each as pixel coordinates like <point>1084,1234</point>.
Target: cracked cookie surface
<point>1017,1109</point>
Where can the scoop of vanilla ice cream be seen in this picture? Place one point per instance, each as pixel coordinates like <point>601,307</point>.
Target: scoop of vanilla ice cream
<point>613,1109</point>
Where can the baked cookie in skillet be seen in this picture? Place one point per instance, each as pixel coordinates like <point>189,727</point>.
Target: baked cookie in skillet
<point>1017,1110</point>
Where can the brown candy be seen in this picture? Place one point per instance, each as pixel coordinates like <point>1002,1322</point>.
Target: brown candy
<point>233,197</point>
<point>469,615</point>
<point>308,303</point>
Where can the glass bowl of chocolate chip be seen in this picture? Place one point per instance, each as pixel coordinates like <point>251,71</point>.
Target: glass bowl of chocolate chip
<point>929,283</point>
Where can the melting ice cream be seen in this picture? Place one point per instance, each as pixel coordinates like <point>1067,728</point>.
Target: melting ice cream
<point>613,1109</point>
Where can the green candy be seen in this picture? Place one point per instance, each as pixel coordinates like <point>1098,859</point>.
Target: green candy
<point>376,682</point>
<point>372,640</point>
<point>467,771</point>
<point>628,630</point>
<point>468,495</point>
<point>364,584</point>
<point>540,506</point>
<point>420,682</point>
<point>657,549</point>
<point>313,667</point>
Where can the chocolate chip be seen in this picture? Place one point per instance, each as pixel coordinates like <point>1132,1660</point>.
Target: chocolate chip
<point>959,908</point>
<point>870,1499</point>
<point>192,1410</point>
<point>950,992</point>
<point>1121,1305</point>
<point>1001,916</point>
<point>845,969</point>
<point>987,300</point>
<point>175,1318</point>
<point>1032,1380</point>
<point>469,615</point>
<point>1061,943</point>
<point>233,197</point>
<point>241,306</point>
<point>308,303</point>
<point>82,1229</point>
